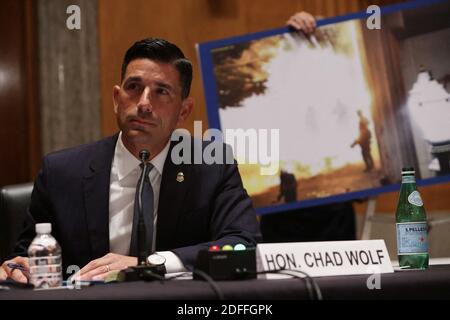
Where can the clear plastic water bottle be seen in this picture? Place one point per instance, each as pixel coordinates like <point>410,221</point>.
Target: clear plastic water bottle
<point>45,259</point>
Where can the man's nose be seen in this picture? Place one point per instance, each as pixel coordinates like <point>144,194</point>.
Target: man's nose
<point>144,104</point>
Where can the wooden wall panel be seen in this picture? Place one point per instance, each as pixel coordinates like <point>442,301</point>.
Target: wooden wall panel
<point>32,91</point>
<point>19,116</point>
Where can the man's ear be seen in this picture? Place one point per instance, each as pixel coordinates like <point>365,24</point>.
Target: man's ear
<point>186,108</point>
<point>116,92</point>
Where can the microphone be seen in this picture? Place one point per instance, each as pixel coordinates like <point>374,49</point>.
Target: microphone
<point>144,155</point>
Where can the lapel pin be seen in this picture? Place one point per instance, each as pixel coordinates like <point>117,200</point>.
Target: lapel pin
<point>180,176</point>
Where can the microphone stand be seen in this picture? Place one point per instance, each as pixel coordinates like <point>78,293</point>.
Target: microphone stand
<point>142,271</point>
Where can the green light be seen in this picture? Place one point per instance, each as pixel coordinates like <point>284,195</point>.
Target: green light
<point>239,247</point>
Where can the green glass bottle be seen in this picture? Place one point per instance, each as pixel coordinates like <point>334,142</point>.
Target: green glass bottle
<point>411,223</point>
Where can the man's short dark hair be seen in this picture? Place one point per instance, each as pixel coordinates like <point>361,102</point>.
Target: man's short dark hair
<point>163,51</point>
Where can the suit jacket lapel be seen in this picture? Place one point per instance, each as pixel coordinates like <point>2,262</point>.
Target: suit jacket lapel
<point>172,196</point>
<point>96,196</point>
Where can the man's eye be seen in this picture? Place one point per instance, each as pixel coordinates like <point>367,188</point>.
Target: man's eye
<point>162,91</point>
<point>132,86</point>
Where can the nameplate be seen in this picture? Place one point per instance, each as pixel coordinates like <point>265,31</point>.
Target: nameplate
<point>331,258</point>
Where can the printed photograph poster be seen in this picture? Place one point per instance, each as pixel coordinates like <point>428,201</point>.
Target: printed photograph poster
<point>353,104</point>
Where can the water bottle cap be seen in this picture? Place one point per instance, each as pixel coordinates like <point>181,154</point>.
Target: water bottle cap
<point>43,228</point>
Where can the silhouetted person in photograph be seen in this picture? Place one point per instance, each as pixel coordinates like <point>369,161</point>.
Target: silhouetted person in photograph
<point>364,140</point>
<point>288,187</point>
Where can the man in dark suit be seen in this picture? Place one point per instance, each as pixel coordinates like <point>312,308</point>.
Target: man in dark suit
<point>87,193</point>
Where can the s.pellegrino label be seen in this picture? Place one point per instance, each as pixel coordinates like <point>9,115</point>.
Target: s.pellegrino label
<point>412,238</point>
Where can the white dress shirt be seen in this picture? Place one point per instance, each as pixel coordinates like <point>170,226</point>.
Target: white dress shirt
<point>125,172</point>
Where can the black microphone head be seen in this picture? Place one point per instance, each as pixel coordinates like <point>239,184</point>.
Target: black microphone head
<point>144,154</point>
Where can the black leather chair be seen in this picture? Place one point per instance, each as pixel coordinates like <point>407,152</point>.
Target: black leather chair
<point>14,201</point>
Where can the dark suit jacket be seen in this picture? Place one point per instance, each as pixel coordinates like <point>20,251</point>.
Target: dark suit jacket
<point>72,193</point>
